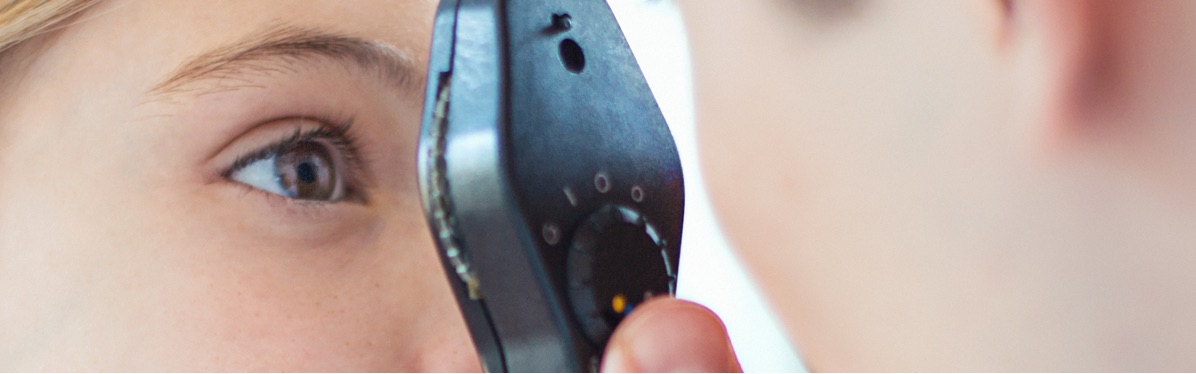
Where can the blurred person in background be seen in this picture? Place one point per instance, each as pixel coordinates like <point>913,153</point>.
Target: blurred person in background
<point>940,185</point>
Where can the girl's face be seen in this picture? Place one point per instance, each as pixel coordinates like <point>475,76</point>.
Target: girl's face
<point>140,222</point>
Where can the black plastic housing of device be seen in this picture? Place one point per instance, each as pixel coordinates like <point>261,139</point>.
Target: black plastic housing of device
<point>537,118</point>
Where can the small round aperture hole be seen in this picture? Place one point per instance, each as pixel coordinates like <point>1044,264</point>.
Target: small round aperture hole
<point>637,194</point>
<point>572,56</point>
<point>552,233</point>
<point>602,182</point>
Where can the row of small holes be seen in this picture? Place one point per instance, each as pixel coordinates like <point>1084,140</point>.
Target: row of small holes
<point>552,233</point>
<point>602,184</point>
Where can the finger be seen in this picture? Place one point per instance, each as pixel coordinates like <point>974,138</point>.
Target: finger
<point>670,335</point>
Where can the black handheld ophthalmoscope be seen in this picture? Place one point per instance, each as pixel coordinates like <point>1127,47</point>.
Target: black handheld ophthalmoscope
<point>549,177</point>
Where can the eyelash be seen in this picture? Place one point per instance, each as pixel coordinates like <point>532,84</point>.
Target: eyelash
<point>337,133</point>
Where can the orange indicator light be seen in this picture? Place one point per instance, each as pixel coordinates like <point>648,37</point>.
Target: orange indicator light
<point>619,303</point>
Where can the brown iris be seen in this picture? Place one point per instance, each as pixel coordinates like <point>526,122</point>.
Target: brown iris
<point>306,172</point>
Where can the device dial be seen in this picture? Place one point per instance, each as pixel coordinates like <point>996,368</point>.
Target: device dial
<point>616,261</point>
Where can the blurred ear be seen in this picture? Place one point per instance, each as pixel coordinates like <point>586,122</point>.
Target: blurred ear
<point>1059,63</point>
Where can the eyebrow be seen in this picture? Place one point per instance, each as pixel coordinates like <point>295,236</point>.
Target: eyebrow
<point>286,48</point>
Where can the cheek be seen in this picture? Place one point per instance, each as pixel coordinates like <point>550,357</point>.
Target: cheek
<point>106,277</point>
<point>837,166</point>
<point>387,309</point>
<point>758,125</point>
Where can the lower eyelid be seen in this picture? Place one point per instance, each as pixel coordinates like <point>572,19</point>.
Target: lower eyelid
<point>288,206</point>
<point>274,220</point>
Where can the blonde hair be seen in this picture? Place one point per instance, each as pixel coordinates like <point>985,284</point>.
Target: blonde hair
<point>21,20</point>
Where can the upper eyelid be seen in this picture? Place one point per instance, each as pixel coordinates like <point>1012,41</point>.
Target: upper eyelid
<point>340,132</point>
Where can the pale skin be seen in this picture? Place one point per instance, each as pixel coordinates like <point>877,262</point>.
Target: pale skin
<point>959,185</point>
<point>128,243</point>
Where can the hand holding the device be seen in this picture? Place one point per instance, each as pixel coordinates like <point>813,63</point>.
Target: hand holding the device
<point>670,335</point>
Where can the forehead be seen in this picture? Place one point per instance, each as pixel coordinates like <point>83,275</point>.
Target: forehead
<point>104,62</point>
<point>177,26</point>
<point>141,41</point>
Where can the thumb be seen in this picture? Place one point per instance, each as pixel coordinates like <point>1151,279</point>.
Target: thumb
<point>670,335</point>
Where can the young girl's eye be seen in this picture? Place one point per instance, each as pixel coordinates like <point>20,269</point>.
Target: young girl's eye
<point>303,170</point>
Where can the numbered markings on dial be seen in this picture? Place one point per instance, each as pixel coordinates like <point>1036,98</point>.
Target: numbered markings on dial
<point>569,195</point>
<point>603,183</point>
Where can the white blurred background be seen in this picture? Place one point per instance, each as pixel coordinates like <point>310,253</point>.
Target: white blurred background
<point>710,273</point>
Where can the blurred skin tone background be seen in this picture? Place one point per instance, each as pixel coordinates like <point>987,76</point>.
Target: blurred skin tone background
<point>142,228</point>
<point>959,185</point>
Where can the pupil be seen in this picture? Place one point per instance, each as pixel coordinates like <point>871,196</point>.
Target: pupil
<point>306,172</point>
